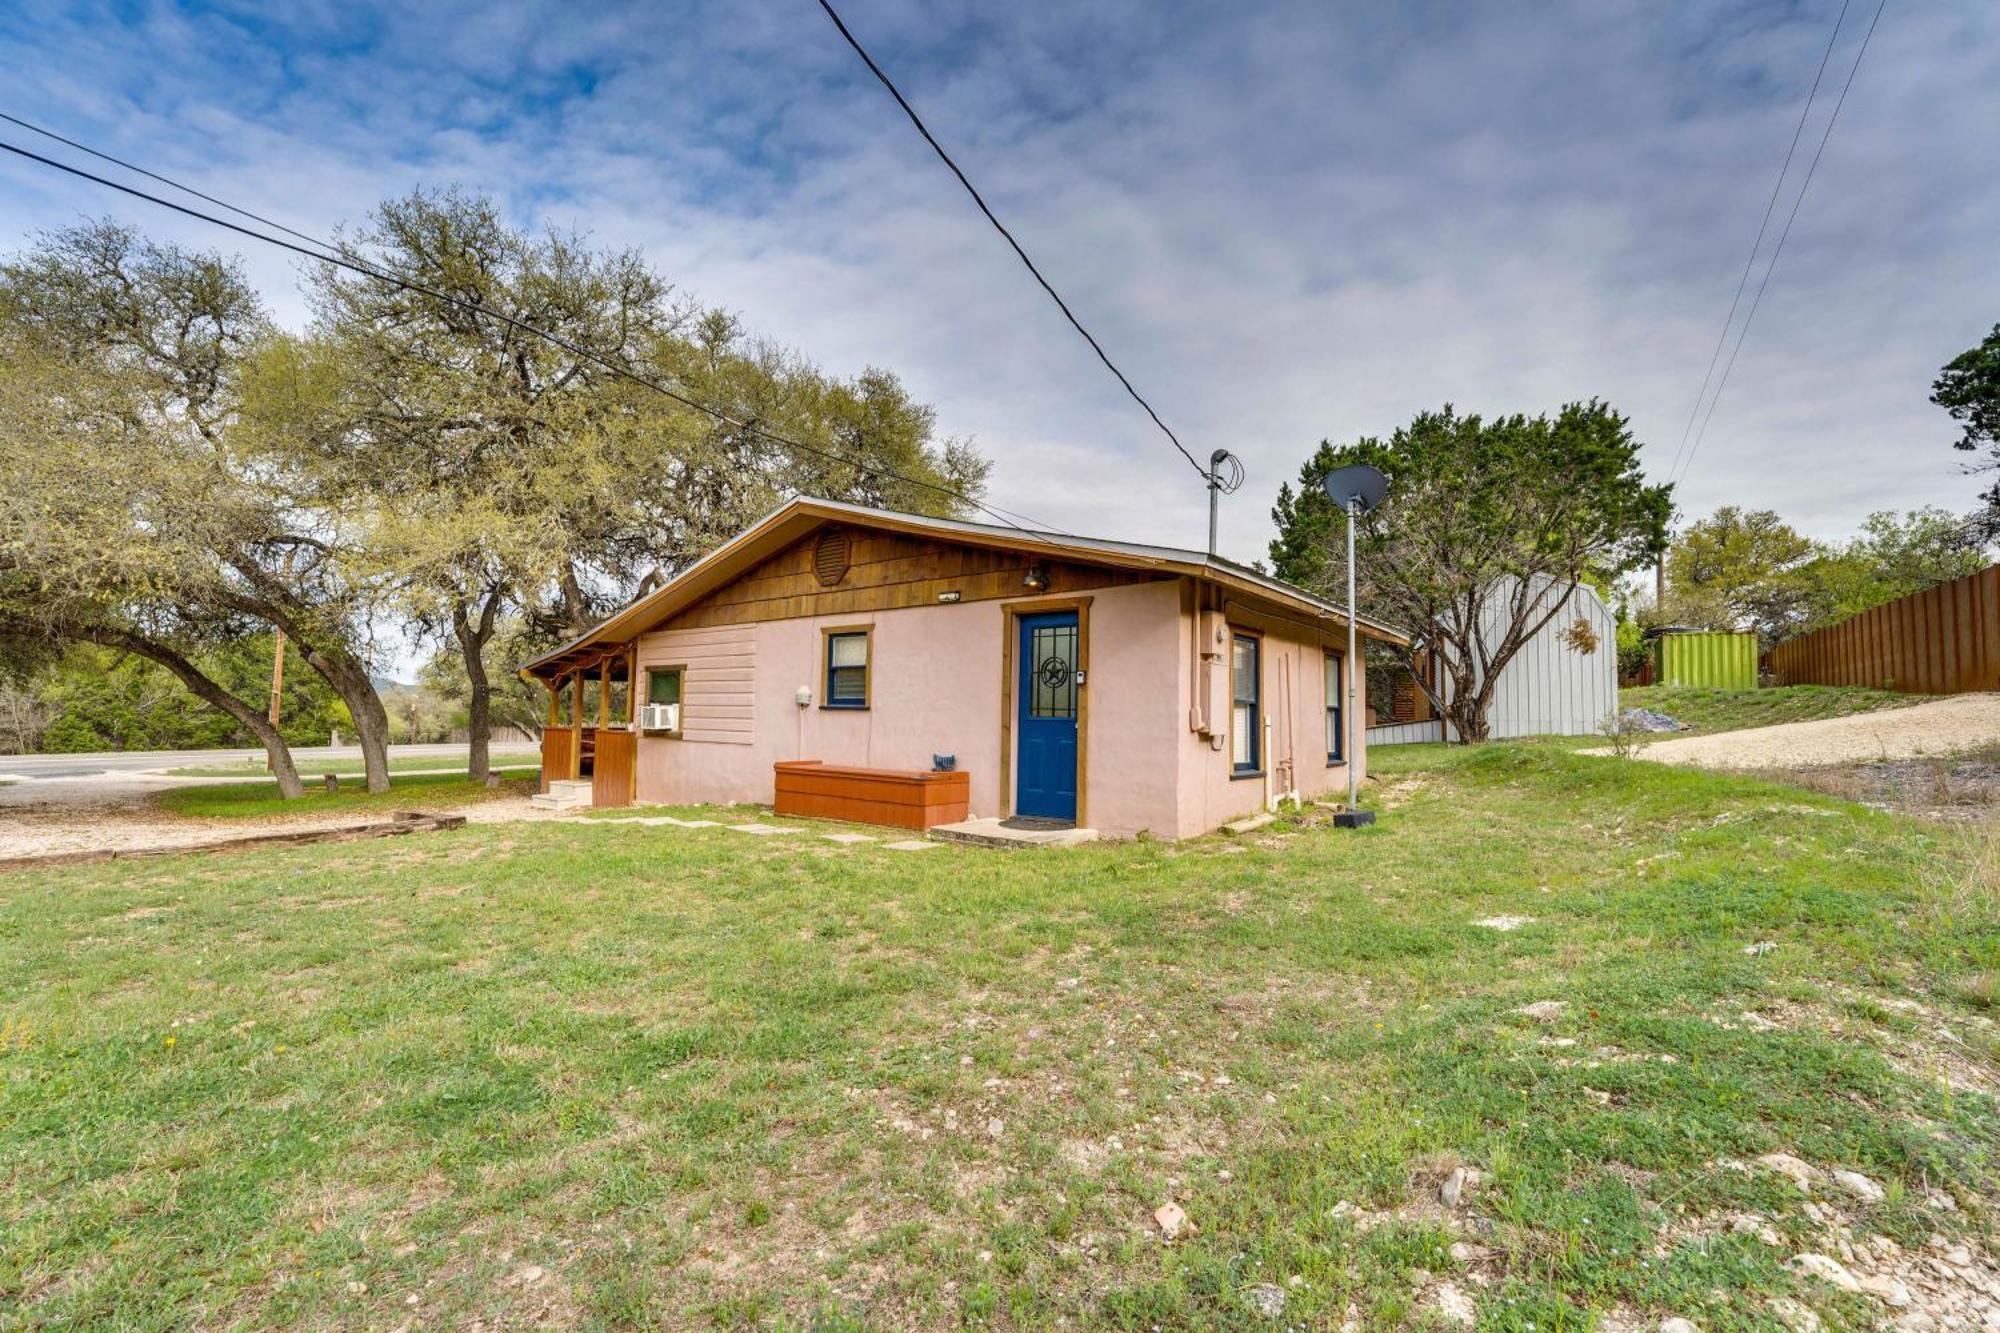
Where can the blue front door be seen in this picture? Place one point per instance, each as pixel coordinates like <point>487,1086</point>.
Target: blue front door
<point>1045,694</point>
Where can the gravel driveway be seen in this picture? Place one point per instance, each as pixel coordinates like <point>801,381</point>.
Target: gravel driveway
<point>114,812</point>
<point>1937,727</point>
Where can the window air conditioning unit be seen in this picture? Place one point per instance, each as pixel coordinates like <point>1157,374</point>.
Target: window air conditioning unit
<point>660,717</point>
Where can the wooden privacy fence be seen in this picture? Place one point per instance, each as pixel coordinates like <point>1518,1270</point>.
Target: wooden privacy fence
<point>1943,640</point>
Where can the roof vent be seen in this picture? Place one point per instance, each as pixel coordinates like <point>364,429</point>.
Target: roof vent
<point>832,556</point>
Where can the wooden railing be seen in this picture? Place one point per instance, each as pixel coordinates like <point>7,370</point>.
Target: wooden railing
<point>558,743</point>
<point>615,768</point>
<point>1944,640</point>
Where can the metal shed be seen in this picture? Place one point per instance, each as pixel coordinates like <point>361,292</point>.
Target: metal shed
<point>1555,685</point>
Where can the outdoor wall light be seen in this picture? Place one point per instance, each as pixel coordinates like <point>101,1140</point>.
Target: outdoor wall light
<point>948,597</point>
<point>1036,578</point>
<point>804,696</point>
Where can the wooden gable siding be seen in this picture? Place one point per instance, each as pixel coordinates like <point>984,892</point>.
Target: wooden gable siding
<point>888,570</point>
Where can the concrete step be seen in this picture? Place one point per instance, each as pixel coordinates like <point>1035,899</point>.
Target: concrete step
<point>570,787</point>
<point>995,833</point>
<point>560,801</point>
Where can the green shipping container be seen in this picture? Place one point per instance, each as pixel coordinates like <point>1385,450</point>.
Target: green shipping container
<point>1715,661</point>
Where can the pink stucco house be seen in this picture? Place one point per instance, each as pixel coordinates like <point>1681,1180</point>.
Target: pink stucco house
<point>1126,688</point>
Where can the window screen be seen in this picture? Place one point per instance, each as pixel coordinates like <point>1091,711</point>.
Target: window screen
<point>1245,721</point>
<point>1333,700</point>
<point>847,670</point>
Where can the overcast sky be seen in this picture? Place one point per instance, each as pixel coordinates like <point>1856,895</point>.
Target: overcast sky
<point>1287,222</point>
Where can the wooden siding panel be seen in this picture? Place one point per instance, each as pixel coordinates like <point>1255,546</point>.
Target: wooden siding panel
<point>718,684</point>
<point>888,571</point>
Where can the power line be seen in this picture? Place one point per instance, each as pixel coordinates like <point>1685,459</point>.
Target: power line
<point>343,258</point>
<point>1750,261</point>
<point>1779,249</point>
<point>1008,236</point>
<point>167,181</point>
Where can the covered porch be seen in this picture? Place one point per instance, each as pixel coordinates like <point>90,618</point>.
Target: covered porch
<point>591,733</point>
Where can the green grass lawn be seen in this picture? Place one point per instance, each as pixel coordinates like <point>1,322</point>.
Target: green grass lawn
<point>578,1073</point>
<point>1706,710</point>
<point>256,800</point>
<point>313,768</point>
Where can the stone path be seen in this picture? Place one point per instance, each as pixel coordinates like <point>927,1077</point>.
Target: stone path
<point>845,839</point>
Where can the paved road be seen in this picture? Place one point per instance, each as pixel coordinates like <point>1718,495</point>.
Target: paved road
<point>142,761</point>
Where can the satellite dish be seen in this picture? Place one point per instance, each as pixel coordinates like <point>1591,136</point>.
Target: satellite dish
<point>1358,486</point>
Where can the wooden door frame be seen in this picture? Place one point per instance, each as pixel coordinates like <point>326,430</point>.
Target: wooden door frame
<point>1010,635</point>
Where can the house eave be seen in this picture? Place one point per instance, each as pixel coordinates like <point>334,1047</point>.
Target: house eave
<point>804,514</point>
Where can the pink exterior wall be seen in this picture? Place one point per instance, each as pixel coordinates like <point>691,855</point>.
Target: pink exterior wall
<point>935,685</point>
<point>1293,697</point>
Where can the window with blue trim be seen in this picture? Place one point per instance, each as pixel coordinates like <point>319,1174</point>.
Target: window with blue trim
<point>1246,719</point>
<point>1334,734</point>
<point>847,669</point>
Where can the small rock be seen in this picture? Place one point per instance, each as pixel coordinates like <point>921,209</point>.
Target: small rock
<point>1266,1299</point>
<point>1799,1173</point>
<point>1461,1253</point>
<point>1343,1209</point>
<point>1794,1316</point>
<point>1453,1188</point>
<point>1544,1011</point>
<point>1456,1306</point>
<point>1825,1269</point>
<point>1914,1321</point>
<point>1759,949</point>
<point>986,1256</point>
<point>1675,1324</point>
<point>1504,922</point>
<point>1859,1185</point>
<point>995,1128</point>
<point>1959,1256</point>
<point>1887,1290</point>
<point>1172,1220</point>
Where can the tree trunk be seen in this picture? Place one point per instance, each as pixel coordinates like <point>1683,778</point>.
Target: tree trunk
<point>349,679</point>
<point>254,720</point>
<point>479,705</point>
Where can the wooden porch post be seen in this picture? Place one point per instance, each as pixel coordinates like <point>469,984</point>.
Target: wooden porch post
<point>576,724</point>
<point>604,693</point>
<point>555,704</point>
<point>632,683</point>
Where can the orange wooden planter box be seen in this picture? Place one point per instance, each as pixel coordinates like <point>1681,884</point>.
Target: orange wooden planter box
<point>810,789</point>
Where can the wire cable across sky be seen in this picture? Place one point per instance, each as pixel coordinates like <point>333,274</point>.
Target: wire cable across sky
<point>1007,235</point>
<point>327,252</point>
<point>1777,250</point>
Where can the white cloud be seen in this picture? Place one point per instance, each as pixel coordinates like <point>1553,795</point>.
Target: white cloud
<point>1285,222</point>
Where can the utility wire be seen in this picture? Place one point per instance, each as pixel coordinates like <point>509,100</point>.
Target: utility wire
<point>1779,249</point>
<point>1750,261</point>
<point>343,258</point>
<point>1007,235</point>
<point>167,181</point>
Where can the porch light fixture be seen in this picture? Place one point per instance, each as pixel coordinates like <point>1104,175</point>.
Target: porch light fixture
<point>1356,489</point>
<point>1036,578</point>
<point>948,597</point>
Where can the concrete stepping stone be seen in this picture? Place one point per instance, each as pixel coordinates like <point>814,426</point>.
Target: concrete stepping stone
<point>761,830</point>
<point>909,845</point>
<point>1250,825</point>
<point>847,837</point>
